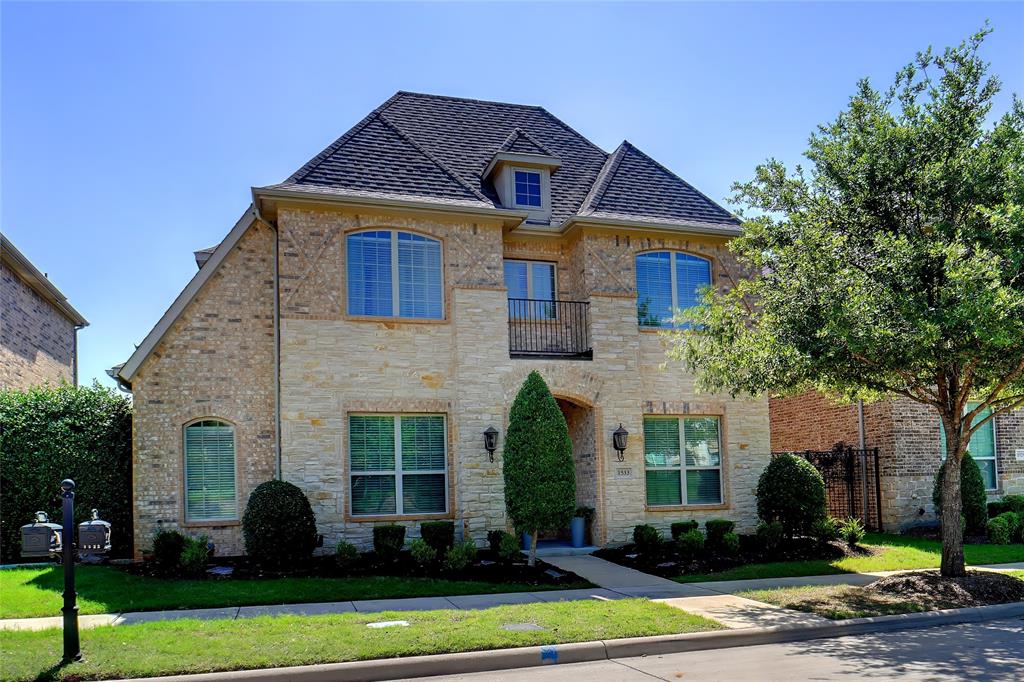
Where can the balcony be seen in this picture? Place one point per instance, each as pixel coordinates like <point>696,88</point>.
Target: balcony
<point>539,328</point>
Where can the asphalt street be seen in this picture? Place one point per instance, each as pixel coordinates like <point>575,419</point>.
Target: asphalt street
<point>991,651</point>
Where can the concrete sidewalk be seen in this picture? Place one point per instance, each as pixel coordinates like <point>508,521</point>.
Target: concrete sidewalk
<point>715,600</point>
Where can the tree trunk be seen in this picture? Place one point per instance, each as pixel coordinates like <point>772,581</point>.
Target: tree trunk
<point>952,526</point>
<point>532,560</point>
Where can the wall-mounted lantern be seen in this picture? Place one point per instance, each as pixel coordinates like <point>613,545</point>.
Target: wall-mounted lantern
<point>619,438</point>
<point>491,441</point>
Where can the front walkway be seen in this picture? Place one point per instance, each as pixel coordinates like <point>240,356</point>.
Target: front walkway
<point>715,600</point>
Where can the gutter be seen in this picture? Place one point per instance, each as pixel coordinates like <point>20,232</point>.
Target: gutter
<point>647,226</point>
<point>277,339</point>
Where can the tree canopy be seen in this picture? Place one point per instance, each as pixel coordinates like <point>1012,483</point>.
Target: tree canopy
<point>892,263</point>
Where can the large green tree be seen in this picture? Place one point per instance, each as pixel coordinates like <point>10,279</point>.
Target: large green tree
<point>892,264</point>
<point>540,475</point>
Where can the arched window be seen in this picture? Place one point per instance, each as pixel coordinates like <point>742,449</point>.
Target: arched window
<point>394,274</point>
<point>667,281</point>
<point>210,490</point>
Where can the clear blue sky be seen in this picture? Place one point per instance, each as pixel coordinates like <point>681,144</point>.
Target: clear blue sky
<point>131,133</point>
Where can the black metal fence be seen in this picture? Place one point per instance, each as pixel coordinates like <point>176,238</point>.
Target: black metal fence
<point>853,486</point>
<point>545,328</point>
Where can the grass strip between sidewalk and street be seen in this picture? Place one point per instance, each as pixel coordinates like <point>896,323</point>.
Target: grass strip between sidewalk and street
<point>892,553</point>
<point>36,592</point>
<point>194,646</point>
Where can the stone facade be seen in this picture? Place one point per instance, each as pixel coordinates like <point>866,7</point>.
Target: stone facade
<point>332,365</point>
<point>907,435</point>
<point>216,362</point>
<point>38,343</point>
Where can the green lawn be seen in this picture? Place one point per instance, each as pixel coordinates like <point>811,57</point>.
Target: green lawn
<point>193,646</point>
<point>33,592</point>
<point>897,553</point>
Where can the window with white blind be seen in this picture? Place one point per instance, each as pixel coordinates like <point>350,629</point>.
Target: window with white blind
<point>982,447</point>
<point>394,274</point>
<point>398,464</point>
<point>682,461</point>
<point>210,490</point>
<point>667,281</point>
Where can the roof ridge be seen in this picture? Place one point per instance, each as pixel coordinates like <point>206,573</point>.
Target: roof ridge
<point>437,162</point>
<point>453,98</point>
<point>340,142</point>
<point>603,179</point>
<point>668,172</point>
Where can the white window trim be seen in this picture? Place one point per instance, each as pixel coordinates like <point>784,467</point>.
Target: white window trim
<point>682,468</point>
<point>398,471</point>
<point>396,305</point>
<point>995,448</point>
<point>672,273</point>
<point>184,471</point>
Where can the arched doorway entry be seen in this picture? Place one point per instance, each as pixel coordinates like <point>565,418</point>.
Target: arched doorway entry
<point>581,418</point>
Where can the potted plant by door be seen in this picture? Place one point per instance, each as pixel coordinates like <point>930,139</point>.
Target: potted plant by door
<point>580,525</point>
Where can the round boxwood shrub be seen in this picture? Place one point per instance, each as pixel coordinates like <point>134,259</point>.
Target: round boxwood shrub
<point>729,544</point>
<point>168,546</point>
<point>792,492</point>
<point>647,539</point>
<point>998,531</point>
<point>690,544</point>
<point>278,524</point>
<point>459,557</point>
<point>973,500</point>
<point>345,555</point>
<point>422,553</point>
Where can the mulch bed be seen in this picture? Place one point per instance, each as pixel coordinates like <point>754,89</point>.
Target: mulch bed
<point>669,564</point>
<point>485,569</point>
<point>977,588</point>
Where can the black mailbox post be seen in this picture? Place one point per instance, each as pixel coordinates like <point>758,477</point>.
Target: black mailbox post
<point>72,646</point>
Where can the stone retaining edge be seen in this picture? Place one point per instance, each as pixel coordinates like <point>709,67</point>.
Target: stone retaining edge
<point>378,670</point>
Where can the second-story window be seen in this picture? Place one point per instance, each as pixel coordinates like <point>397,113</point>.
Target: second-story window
<point>667,281</point>
<point>530,284</point>
<point>395,274</point>
<point>528,188</point>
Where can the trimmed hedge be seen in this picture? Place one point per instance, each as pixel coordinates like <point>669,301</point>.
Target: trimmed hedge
<point>717,529</point>
<point>973,500</point>
<point>1009,503</point>
<point>440,535</point>
<point>680,528</point>
<point>55,432</point>
<point>388,541</point>
<point>647,539</point>
<point>791,491</point>
<point>278,525</point>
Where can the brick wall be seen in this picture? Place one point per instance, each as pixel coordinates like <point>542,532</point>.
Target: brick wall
<point>216,361</point>
<point>37,342</point>
<point>907,434</point>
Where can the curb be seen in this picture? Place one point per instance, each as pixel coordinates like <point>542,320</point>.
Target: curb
<point>379,670</point>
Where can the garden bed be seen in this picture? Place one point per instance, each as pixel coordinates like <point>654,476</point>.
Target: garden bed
<point>903,593</point>
<point>36,592</point>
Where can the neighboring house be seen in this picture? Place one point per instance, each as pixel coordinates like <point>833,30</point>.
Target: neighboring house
<point>366,321</point>
<point>38,327</point>
<point>911,447</point>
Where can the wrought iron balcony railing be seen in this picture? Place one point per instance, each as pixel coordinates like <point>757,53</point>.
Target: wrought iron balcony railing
<point>539,328</point>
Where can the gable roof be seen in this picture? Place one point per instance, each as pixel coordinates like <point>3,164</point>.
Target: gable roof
<point>435,148</point>
<point>128,369</point>
<point>39,282</point>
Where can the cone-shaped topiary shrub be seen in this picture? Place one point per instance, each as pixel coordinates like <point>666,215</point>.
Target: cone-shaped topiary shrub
<point>973,500</point>
<point>540,475</point>
<point>278,524</point>
<point>792,492</point>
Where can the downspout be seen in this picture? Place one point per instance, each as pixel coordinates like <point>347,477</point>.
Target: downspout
<point>277,342</point>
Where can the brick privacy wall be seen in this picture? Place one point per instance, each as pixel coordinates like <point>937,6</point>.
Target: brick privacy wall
<point>331,366</point>
<point>907,434</point>
<point>216,361</point>
<point>37,343</point>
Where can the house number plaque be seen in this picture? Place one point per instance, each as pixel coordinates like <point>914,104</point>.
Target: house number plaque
<point>623,472</point>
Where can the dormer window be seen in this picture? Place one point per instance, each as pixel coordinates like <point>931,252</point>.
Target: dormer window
<point>528,188</point>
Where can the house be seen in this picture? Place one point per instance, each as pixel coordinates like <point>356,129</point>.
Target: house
<point>38,327</point>
<point>911,448</point>
<point>368,319</point>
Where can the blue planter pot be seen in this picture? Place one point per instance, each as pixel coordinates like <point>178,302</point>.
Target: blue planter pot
<point>578,526</point>
<point>527,539</point>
